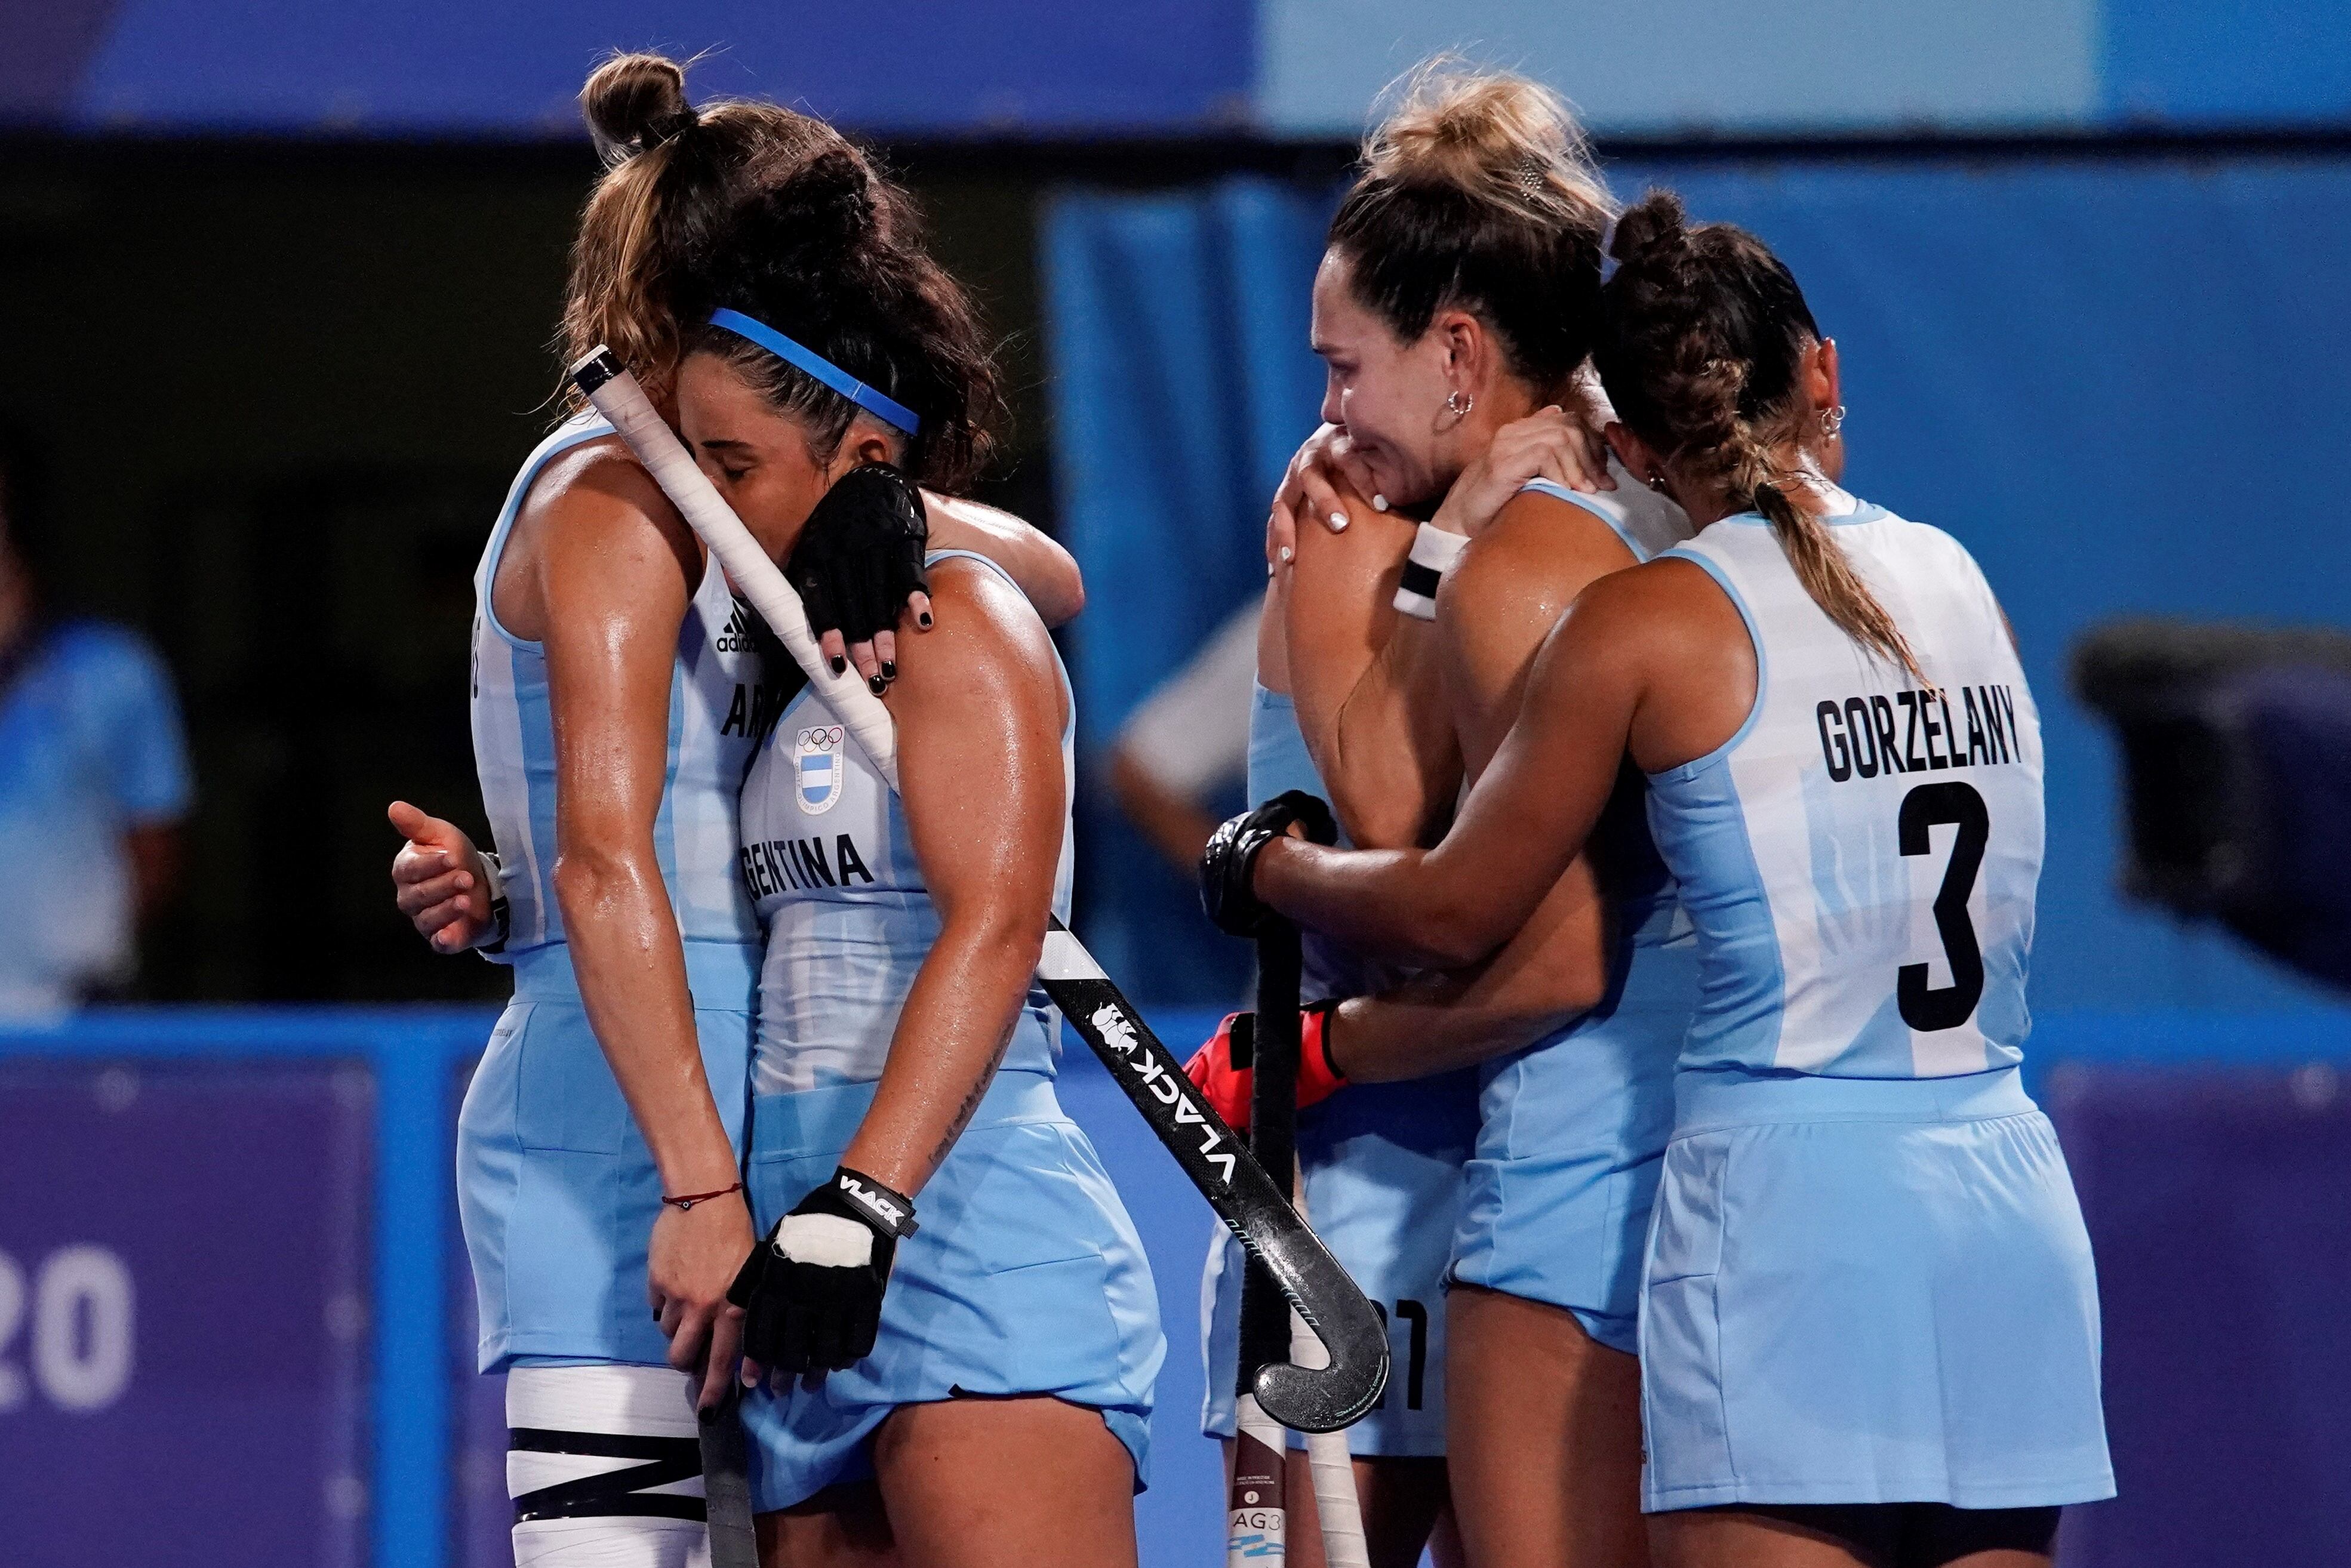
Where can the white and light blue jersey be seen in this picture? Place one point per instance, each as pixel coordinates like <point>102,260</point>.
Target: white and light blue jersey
<point>1860,859</point>
<point>717,706</point>
<point>828,858</point>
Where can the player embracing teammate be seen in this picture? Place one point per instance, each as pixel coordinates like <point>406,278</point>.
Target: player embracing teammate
<point>1743,996</point>
<point>1868,1321</point>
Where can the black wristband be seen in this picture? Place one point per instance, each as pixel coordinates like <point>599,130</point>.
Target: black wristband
<point>890,1212</point>
<point>1330,1011</point>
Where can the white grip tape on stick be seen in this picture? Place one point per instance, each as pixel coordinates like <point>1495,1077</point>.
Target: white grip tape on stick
<point>632,415</point>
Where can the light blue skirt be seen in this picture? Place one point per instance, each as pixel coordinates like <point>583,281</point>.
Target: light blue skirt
<point>1570,1133</point>
<point>555,1189</point>
<point>1382,1165</point>
<point>1026,1277</point>
<point>1866,1292</point>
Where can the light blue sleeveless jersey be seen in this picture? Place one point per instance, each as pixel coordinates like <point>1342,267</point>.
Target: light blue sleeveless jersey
<point>1868,1280</point>
<point>1570,1129</point>
<point>715,707</point>
<point>1860,858</point>
<point>827,856</point>
<point>555,1189</point>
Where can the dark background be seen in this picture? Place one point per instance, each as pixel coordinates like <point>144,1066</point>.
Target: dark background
<point>282,388</point>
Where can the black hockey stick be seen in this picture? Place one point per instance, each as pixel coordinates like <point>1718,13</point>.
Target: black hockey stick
<point>726,1483</point>
<point>1257,1502</point>
<point>1236,1185</point>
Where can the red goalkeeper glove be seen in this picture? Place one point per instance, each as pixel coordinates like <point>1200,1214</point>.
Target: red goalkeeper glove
<point>1222,1068</point>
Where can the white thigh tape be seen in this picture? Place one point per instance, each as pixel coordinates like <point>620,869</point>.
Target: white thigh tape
<point>595,1442</point>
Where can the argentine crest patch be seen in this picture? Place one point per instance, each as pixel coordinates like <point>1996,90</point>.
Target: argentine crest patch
<point>816,763</point>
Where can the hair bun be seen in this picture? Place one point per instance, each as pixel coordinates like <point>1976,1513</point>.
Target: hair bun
<point>1653,229</point>
<point>633,103</point>
<point>1448,124</point>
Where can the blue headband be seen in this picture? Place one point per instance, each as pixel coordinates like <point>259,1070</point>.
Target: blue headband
<point>881,405</point>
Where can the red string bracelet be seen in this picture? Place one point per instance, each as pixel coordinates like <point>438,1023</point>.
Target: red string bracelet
<point>690,1199</point>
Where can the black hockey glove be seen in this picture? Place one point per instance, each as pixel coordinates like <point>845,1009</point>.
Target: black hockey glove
<point>859,559</point>
<point>1228,865</point>
<point>812,1292</point>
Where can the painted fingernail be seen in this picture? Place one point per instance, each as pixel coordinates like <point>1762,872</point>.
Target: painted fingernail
<point>1379,503</point>
<point>1338,522</point>
<point>889,669</point>
<point>877,685</point>
<point>923,620</point>
<point>839,665</point>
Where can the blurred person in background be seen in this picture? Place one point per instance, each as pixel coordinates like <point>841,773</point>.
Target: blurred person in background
<point>1187,741</point>
<point>94,780</point>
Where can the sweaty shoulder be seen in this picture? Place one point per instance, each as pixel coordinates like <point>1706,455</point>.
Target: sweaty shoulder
<point>1665,629</point>
<point>1538,553</point>
<point>595,518</point>
<point>599,482</point>
<point>987,638</point>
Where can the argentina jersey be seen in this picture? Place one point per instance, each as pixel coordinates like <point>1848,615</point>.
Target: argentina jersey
<point>827,859</point>
<point>1860,859</point>
<point>717,706</point>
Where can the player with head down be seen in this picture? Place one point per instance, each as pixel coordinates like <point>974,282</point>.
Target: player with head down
<point>619,696</point>
<point>952,1320</point>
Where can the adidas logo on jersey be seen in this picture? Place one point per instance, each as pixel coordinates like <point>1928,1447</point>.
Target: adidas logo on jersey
<point>738,637</point>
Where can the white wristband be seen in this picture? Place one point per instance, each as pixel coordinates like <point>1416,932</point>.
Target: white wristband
<point>494,939</point>
<point>1434,551</point>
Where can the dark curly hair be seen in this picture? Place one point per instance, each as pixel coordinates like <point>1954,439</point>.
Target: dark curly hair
<point>672,172</point>
<point>1702,333</point>
<point>832,257</point>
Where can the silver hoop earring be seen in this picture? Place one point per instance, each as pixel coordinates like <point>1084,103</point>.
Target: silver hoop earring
<point>1832,420</point>
<point>1458,406</point>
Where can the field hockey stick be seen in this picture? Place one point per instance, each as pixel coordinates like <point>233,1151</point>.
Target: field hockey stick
<point>1236,1185</point>
<point>726,1483</point>
<point>1256,1503</point>
<point>1329,1462</point>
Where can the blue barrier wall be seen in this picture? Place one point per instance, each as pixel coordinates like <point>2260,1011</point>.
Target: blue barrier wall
<point>2214,1150</point>
<point>2119,384</point>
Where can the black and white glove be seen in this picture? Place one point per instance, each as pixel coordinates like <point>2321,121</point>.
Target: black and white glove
<point>859,558</point>
<point>812,1292</point>
<point>1228,865</point>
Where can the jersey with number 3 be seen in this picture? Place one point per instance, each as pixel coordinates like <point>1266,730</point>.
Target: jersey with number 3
<point>1860,859</point>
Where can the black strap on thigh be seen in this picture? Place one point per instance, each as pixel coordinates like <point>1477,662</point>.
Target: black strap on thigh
<point>613,1493</point>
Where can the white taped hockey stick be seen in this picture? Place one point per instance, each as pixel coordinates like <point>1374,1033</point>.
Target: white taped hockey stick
<point>1236,1185</point>
<point>1329,1461</point>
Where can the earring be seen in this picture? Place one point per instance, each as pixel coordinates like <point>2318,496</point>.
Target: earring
<point>1657,483</point>
<point>1832,420</point>
<point>1458,406</point>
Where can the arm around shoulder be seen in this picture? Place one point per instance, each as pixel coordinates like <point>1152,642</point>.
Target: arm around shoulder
<point>1047,573</point>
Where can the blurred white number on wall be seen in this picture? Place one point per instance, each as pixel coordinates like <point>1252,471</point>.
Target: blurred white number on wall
<point>80,1311</point>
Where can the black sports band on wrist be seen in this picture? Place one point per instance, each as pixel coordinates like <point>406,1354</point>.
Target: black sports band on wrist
<point>887,1211</point>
